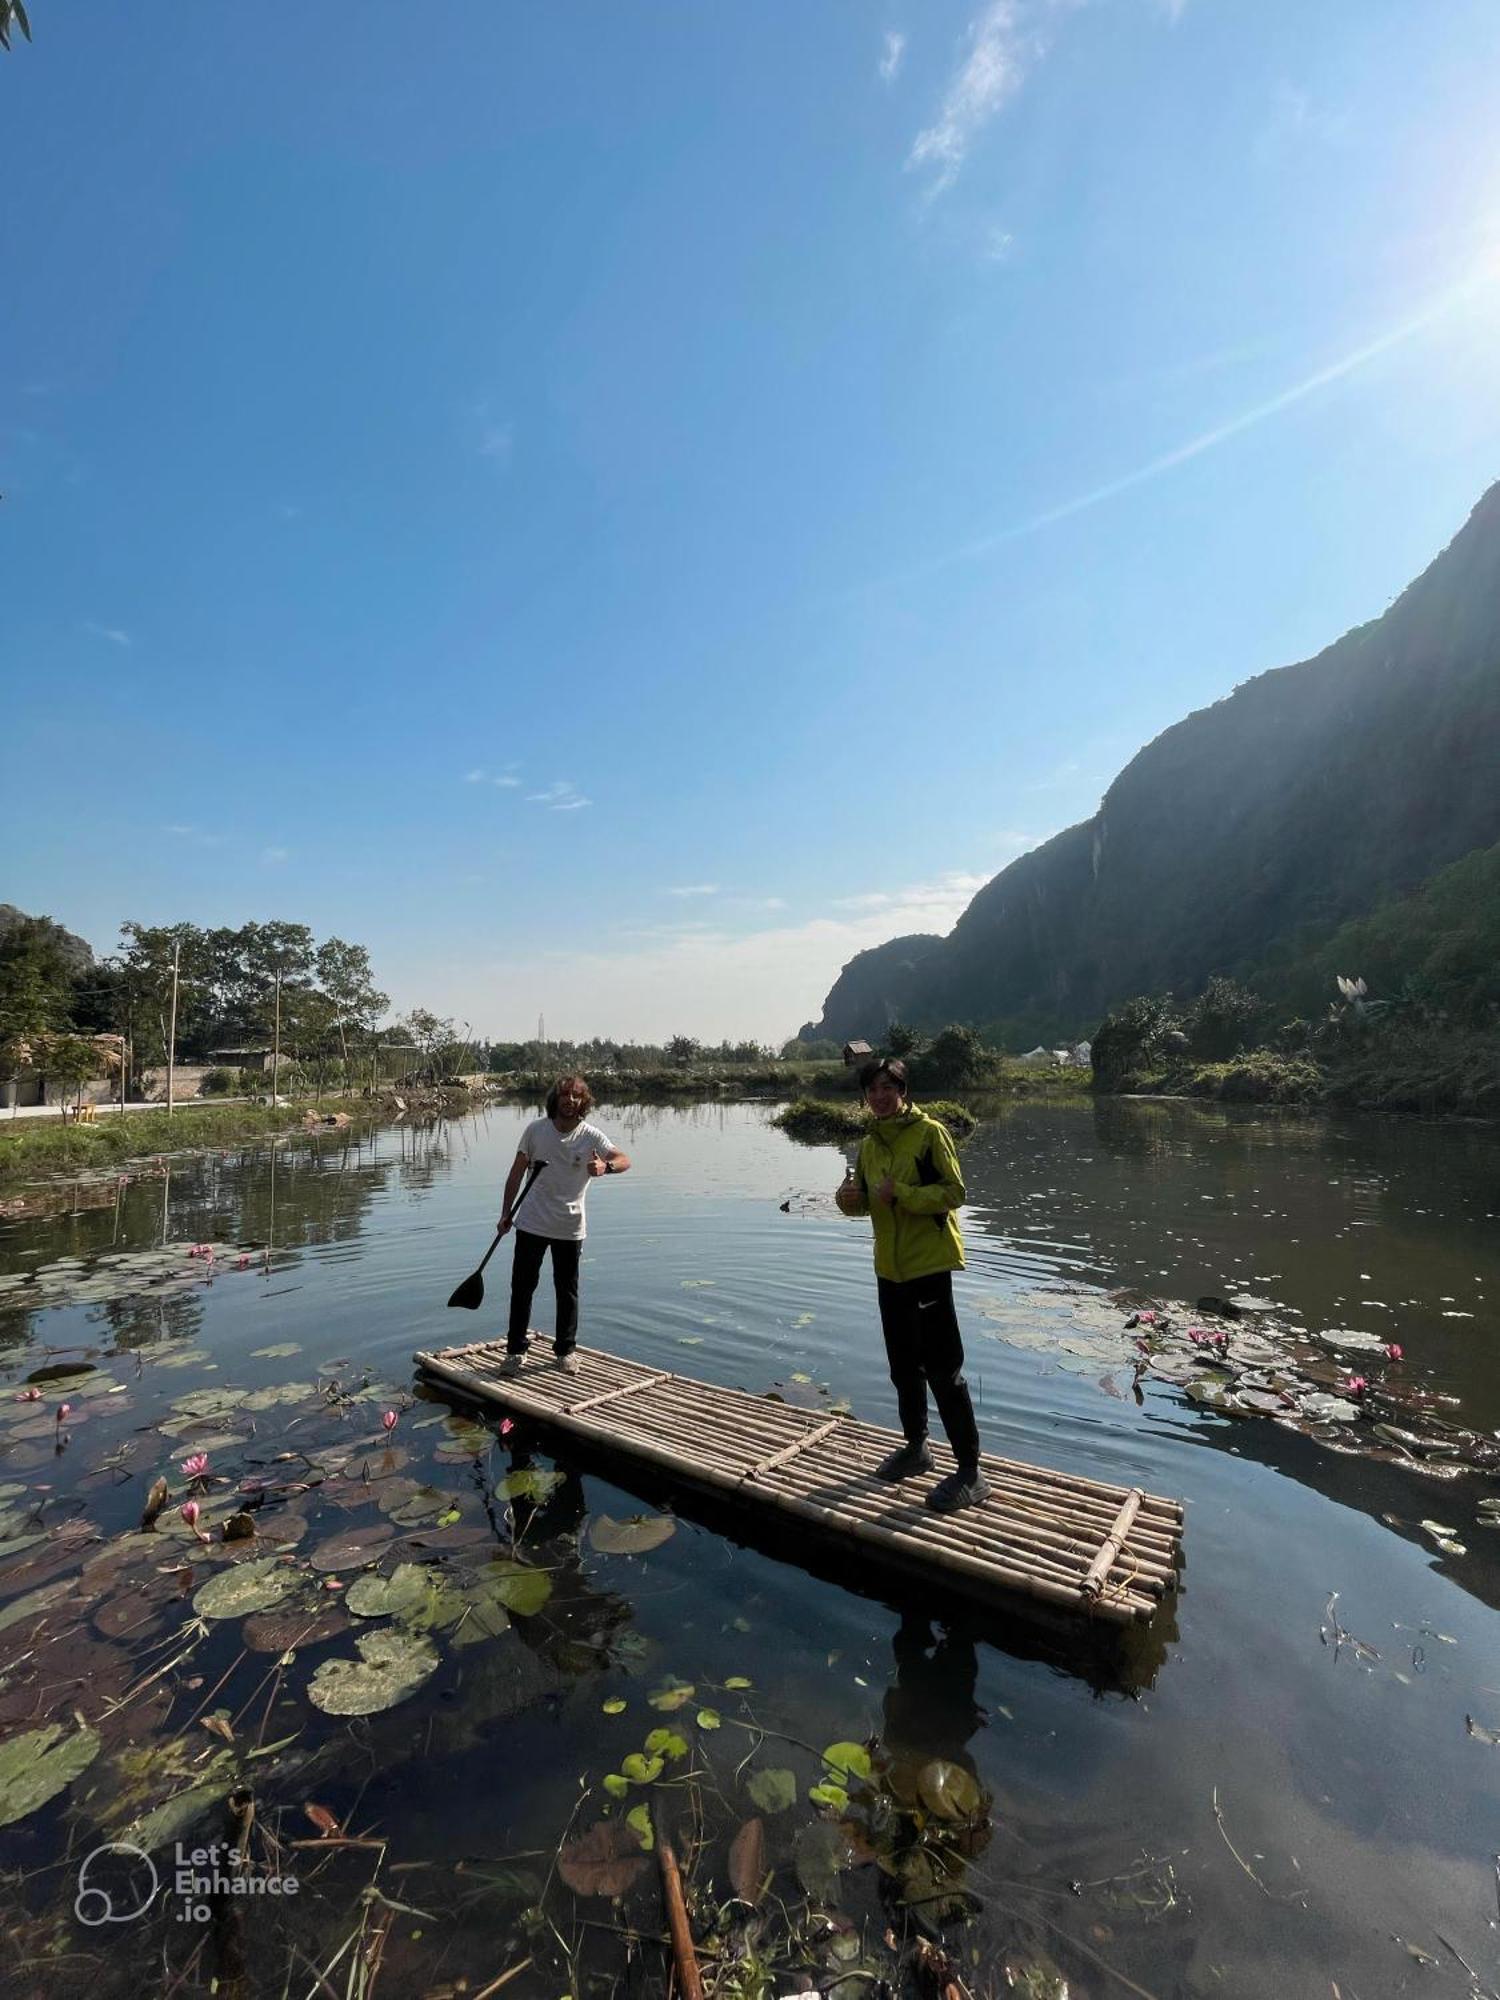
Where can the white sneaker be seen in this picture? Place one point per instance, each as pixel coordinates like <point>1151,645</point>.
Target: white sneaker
<point>513,1364</point>
<point>568,1363</point>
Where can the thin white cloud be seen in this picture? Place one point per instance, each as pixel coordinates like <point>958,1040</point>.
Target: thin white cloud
<point>891,56</point>
<point>111,632</point>
<point>696,889</point>
<point>698,979</point>
<point>956,889</point>
<point>998,247</point>
<point>561,796</point>
<point>505,780</point>
<point>1482,279</point>
<point>274,856</point>
<point>199,836</point>
<point>1001,43</point>
<point>474,777</point>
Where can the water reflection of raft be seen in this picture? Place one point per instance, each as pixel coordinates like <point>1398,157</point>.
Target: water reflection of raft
<point>1104,1552</point>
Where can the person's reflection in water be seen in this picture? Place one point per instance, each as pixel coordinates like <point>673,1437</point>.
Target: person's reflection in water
<point>937,1809</point>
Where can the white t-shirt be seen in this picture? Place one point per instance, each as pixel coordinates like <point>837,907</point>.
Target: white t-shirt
<point>554,1207</point>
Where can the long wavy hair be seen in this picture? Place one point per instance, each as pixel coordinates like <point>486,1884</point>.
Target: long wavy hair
<point>556,1091</point>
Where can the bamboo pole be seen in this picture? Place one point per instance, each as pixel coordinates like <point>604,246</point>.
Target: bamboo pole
<point>966,1536</point>
<point>790,1451</point>
<point>979,1527</point>
<point>684,1957</point>
<point>1099,1568</point>
<point>1170,1510</point>
<point>612,1395</point>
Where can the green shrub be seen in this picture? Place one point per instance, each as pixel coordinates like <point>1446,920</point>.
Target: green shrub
<point>218,1082</point>
<point>1258,1077</point>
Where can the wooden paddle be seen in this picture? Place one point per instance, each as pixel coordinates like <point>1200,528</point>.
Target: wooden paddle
<point>470,1294</point>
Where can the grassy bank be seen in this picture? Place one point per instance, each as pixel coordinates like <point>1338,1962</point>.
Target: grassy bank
<point>48,1145</point>
<point>1432,1076</point>
<point>818,1122</point>
<point>999,1076</point>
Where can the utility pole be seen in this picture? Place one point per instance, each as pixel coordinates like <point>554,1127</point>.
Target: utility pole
<point>276,1046</point>
<point>172,1028</point>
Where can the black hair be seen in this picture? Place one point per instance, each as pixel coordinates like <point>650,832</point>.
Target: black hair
<point>891,1066</point>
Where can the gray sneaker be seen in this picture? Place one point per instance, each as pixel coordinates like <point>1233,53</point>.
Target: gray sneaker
<point>568,1362</point>
<point>513,1363</point>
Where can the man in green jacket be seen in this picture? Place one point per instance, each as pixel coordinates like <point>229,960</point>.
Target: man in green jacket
<point>906,1179</point>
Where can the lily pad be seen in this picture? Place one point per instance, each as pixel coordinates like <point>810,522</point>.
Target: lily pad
<point>632,1537</point>
<point>402,1592</point>
<point>673,1695</point>
<point>518,1588</point>
<point>773,1790</point>
<point>393,1663</point>
<point>208,1402</point>
<point>353,1548</point>
<point>605,1861</point>
<point>37,1766</point>
<point>251,1586</point>
<point>641,1770</point>
<point>853,1759</point>
<point>949,1791</point>
<point>821,1855</point>
<point>665,1743</point>
<point>284,1631</point>
<point>282,1351</point>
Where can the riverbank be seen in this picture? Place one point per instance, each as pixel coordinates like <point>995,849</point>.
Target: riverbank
<point>1425,1077</point>
<point>47,1145</point>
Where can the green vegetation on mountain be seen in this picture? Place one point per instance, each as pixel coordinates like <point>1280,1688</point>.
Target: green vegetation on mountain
<point>1340,816</point>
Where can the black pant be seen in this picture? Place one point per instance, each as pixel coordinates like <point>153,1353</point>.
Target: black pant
<point>525,1269</point>
<point>925,1349</point>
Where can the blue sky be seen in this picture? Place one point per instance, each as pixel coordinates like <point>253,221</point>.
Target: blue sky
<point>618,508</point>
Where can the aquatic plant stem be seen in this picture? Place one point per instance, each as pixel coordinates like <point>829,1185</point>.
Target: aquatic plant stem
<point>1273,1895</point>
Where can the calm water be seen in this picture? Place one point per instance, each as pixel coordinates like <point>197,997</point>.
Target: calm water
<point>1345,1778</point>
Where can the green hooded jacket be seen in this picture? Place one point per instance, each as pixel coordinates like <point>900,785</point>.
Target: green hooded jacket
<point>917,1234</point>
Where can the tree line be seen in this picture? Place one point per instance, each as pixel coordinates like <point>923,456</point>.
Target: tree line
<point>234,990</point>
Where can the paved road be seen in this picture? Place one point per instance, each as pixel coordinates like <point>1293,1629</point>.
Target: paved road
<point>24,1113</point>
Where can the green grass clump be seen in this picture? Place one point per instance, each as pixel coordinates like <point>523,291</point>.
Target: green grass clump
<point>1259,1076</point>
<point>816,1121</point>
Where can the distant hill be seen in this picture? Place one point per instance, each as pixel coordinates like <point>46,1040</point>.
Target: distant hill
<point>1307,797</point>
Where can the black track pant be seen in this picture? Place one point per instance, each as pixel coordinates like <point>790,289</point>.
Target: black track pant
<point>925,1349</point>
<point>524,1272</point>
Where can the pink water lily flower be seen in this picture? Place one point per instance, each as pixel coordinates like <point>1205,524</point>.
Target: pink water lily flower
<point>32,1395</point>
<point>195,1465</point>
<point>506,1427</point>
<point>1356,1385</point>
<point>1393,1350</point>
<point>389,1420</point>
<point>64,1410</point>
<point>189,1512</point>
<point>1147,1318</point>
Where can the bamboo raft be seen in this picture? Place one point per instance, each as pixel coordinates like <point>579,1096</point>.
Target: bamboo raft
<point>1103,1552</point>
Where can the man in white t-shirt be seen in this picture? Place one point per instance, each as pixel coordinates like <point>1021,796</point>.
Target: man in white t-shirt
<point>569,1153</point>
